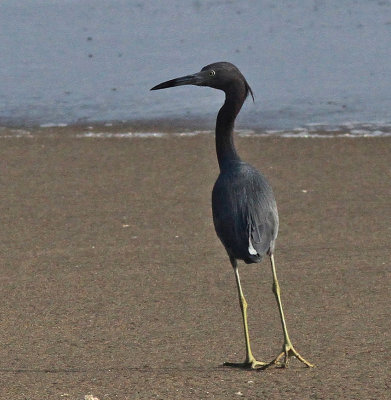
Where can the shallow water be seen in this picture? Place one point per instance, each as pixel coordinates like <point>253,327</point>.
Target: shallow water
<point>313,65</point>
<point>128,132</point>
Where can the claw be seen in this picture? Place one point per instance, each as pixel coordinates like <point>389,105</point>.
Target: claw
<point>253,364</point>
<point>287,352</point>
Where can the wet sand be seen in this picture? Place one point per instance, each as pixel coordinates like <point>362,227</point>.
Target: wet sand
<point>113,282</point>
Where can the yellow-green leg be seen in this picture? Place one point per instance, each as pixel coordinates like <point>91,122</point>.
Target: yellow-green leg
<point>288,350</point>
<point>250,361</point>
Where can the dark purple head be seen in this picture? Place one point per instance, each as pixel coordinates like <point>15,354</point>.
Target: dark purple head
<point>220,75</point>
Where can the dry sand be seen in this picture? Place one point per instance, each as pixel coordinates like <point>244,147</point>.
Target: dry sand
<point>113,282</point>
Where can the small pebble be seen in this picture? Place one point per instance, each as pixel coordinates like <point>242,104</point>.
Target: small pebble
<point>90,397</point>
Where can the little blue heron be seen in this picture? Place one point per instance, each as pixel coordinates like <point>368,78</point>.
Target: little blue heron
<point>244,209</point>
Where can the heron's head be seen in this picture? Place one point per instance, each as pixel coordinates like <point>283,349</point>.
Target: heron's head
<point>221,75</point>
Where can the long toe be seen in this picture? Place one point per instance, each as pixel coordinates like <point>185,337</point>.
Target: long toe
<point>282,360</point>
<point>294,353</point>
<point>253,364</point>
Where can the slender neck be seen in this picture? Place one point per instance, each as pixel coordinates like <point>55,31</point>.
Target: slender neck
<point>225,147</point>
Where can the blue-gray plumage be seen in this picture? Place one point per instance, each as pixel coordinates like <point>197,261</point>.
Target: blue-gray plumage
<point>243,204</point>
<point>244,212</point>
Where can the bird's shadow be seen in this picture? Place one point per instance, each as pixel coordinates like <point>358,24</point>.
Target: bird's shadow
<point>143,369</point>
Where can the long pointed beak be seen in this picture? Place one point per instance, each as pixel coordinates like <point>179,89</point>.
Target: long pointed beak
<point>194,79</point>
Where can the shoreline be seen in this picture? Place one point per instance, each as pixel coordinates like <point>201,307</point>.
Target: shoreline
<point>190,127</point>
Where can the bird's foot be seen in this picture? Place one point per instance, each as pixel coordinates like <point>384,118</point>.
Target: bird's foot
<point>248,364</point>
<point>287,352</point>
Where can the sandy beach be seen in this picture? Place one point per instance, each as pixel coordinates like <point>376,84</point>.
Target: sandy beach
<point>113,282</point>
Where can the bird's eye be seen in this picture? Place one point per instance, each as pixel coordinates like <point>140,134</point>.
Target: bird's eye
<point>212,73</point>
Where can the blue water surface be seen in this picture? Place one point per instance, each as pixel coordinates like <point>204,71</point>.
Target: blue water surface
<point>308,61</point>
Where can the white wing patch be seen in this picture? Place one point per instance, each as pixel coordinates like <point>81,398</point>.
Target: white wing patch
<point>251,249</point>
